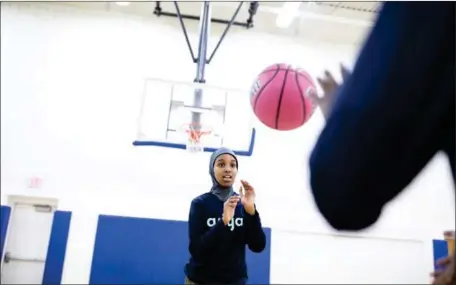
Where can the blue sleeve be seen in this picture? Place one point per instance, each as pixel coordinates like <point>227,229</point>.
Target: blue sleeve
<point>391,116</point>
<point>255,237</point>
<point>201,239</point>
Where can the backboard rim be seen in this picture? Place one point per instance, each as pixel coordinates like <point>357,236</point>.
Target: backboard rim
<point>183,146</point>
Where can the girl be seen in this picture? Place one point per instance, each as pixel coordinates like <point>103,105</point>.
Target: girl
<point>220,227</point>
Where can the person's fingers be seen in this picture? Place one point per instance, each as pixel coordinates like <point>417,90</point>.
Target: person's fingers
<point>442,280</point>
<point>249,189</point>
<point>312,94</point>
<point>320,81</point>
<point>444,261</point>
<point>232,203</point>
<point>234,198</point>
<point>246,184</point>
<point>327,85</point>
<point>231,200</point>
<point>445,275</point>
<point>329,76</point>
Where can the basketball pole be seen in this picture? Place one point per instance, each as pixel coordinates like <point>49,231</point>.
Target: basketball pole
<point>201,59</point>
<point>205,21</point>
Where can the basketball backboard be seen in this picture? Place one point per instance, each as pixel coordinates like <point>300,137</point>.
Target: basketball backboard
<point>170,108</point>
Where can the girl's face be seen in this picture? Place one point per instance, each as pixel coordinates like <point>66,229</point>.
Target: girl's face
<point>225,170</point>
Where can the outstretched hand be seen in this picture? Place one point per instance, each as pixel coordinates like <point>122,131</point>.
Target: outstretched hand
<point>329,86</point>
<point>247,193</point>
<point>445,276</point>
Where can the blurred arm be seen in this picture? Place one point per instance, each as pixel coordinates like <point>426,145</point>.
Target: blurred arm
<point>391,116</point>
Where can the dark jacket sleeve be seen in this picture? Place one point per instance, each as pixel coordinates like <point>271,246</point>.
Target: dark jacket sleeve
<point>202,240</point>
<point>391,116</point>
<point>255,236</point>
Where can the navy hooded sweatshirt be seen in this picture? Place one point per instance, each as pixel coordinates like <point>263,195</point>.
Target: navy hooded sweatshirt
<point>391,116</point>
<point>218,250</point>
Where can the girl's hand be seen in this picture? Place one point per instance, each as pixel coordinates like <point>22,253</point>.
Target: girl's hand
<point>247,193</point>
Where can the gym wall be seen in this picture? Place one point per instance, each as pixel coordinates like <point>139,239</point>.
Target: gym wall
<point>71,84</point>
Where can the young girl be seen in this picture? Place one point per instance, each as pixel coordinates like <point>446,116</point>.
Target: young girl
<point>220,227</point>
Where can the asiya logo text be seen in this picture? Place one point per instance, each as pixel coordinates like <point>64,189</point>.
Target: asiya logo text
<point>235,222</point>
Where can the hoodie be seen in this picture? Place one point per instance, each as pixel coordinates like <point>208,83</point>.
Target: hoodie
<point>217,250</point>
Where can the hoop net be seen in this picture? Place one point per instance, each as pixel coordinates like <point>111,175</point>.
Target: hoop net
<point>195,132</point>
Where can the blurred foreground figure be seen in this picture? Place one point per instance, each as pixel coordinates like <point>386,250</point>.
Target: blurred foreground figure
<point>389,117</point>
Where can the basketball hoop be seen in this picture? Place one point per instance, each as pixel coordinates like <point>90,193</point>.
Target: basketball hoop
<point>195,131</point>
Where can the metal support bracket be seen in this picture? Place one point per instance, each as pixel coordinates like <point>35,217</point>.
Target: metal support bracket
<point>248,24</point>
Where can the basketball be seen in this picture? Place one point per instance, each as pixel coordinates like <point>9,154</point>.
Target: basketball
<point>279,97</point>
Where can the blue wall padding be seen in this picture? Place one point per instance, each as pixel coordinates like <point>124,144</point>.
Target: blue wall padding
<point>5,212</point>
<point>55,257</point>
<point>150,251</point>
<point>440,250</point>
<point>259,265</point>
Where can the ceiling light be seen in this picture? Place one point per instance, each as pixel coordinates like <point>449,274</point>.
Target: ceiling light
<point>287,13</point>
<point>123,4</point>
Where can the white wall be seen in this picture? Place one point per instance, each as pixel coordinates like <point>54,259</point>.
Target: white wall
<point>71,82</point>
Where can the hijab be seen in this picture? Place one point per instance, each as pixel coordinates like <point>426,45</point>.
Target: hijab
<point>223,193</point>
